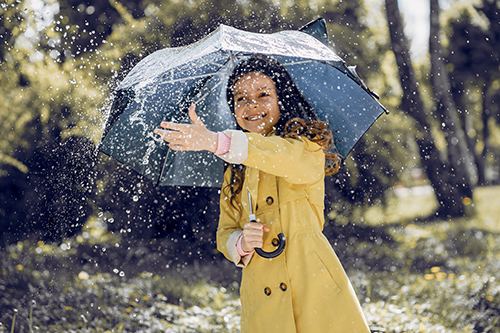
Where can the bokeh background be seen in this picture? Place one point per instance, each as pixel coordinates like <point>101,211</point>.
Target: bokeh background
<point>414,214</point>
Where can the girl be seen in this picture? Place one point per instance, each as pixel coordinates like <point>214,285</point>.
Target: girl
<point>277,154</point>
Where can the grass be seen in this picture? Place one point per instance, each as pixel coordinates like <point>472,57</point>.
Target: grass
<point>46,280</point>
<point>439,276</point>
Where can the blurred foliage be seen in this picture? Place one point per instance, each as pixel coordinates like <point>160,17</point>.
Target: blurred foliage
<point>61,62</point>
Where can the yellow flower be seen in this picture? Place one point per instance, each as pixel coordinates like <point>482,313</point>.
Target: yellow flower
<point>435,269</point>
<point>129,309</point>
<point>19,267</point>
<point>440,276</point>
<point>429,277</point>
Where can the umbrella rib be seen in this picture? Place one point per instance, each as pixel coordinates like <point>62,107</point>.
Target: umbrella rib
<point>192,77</point>
<point>164,166</point>
<point>297,62</point>
<point>209,91</point>
<point>222,71</point>
<point>187,78</point>
<point>205,62</point>
<point>198,99</point>
<point>216,85</point>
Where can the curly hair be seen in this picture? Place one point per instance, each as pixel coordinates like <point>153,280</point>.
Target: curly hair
<point>297,117</point>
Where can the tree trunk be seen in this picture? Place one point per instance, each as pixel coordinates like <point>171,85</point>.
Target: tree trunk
<point>485,116</point>
<point>471,143</point>
<point>459,156</point>
<point>435,166</point>
<point>466,118</point>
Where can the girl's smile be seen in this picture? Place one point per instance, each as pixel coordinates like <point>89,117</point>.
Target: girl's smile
<point>256,103</point>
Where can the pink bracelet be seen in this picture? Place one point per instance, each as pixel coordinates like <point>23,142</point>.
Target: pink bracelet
<point>223,143</point>
<point>239,248</point>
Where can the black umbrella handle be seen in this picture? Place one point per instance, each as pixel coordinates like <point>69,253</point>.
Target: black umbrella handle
<point>281,237</point>
<point>275,253</point>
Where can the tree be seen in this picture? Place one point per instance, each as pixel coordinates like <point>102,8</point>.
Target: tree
<point>459,156</point>
<point>473,53</point>
<point>45,179</point>
<point>450,190</point>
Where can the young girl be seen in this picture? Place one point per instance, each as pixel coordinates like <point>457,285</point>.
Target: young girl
<point>278,155</point>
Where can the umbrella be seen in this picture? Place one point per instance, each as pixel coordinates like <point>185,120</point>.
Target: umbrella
<point>164,84</point>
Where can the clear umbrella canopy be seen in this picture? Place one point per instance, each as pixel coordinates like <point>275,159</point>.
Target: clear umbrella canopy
<point>163,85</point>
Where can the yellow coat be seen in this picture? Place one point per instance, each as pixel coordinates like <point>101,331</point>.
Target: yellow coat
<point>305,289</point>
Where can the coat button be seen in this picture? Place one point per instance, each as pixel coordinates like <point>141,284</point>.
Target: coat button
<point>283,286</point>
<point>269,200</point>
<point>267,291</point>
<point>275,242</point>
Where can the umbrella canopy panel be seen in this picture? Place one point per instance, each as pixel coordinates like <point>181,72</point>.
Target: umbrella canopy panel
<point>202,168</point>
<point>139,109</point>
<point>336,99</point>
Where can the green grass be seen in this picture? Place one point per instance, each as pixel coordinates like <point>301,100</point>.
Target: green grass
<point>439,276</point>
<point>46,280</point>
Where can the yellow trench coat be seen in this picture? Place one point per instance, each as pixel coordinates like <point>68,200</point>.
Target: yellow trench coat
<point>305,289</point>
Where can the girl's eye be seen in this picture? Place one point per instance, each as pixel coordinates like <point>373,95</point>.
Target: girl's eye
<point>263,94</point>
<point>240,99</point>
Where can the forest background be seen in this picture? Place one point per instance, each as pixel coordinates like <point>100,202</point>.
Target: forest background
<point>60,61</point>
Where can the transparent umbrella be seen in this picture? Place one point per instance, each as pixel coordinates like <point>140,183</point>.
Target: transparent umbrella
<point>163,85</point>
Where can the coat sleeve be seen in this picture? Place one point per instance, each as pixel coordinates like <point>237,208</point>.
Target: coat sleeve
<point>229,229</point>
<point>298,161</point>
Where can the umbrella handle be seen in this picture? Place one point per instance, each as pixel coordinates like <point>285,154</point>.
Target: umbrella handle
<point>272,254</point>
<point>275,253</point>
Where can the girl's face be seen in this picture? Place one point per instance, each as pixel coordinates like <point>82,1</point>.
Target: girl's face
<point>256,103</point>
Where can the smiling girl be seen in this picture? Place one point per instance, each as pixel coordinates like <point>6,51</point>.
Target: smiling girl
<point>278,154</point>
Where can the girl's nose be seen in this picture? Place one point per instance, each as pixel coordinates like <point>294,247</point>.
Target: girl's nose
<point>252,103</point>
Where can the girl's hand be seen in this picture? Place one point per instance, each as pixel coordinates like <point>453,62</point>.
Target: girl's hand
<point>193,136</point>
<point>253,235</point>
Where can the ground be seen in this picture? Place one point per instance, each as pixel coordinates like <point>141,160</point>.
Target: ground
<point>421,276</point>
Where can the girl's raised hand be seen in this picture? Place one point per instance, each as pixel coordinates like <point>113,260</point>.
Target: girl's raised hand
<point>194,136</point>
<point>253,235</point>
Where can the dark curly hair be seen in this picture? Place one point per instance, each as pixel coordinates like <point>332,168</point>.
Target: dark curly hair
<point>297,117</point>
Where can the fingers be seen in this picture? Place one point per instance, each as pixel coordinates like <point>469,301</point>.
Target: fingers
<point>176,140</point>
<point>194,117</point>
<point>168,135</point>
<point>189,137</point>
<point>255,227</point>
<point>173,126</point>
<point>253,235</point>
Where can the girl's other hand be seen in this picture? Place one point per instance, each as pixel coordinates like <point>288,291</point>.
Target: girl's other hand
<point>194,136</point>
<point>253,235</point>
